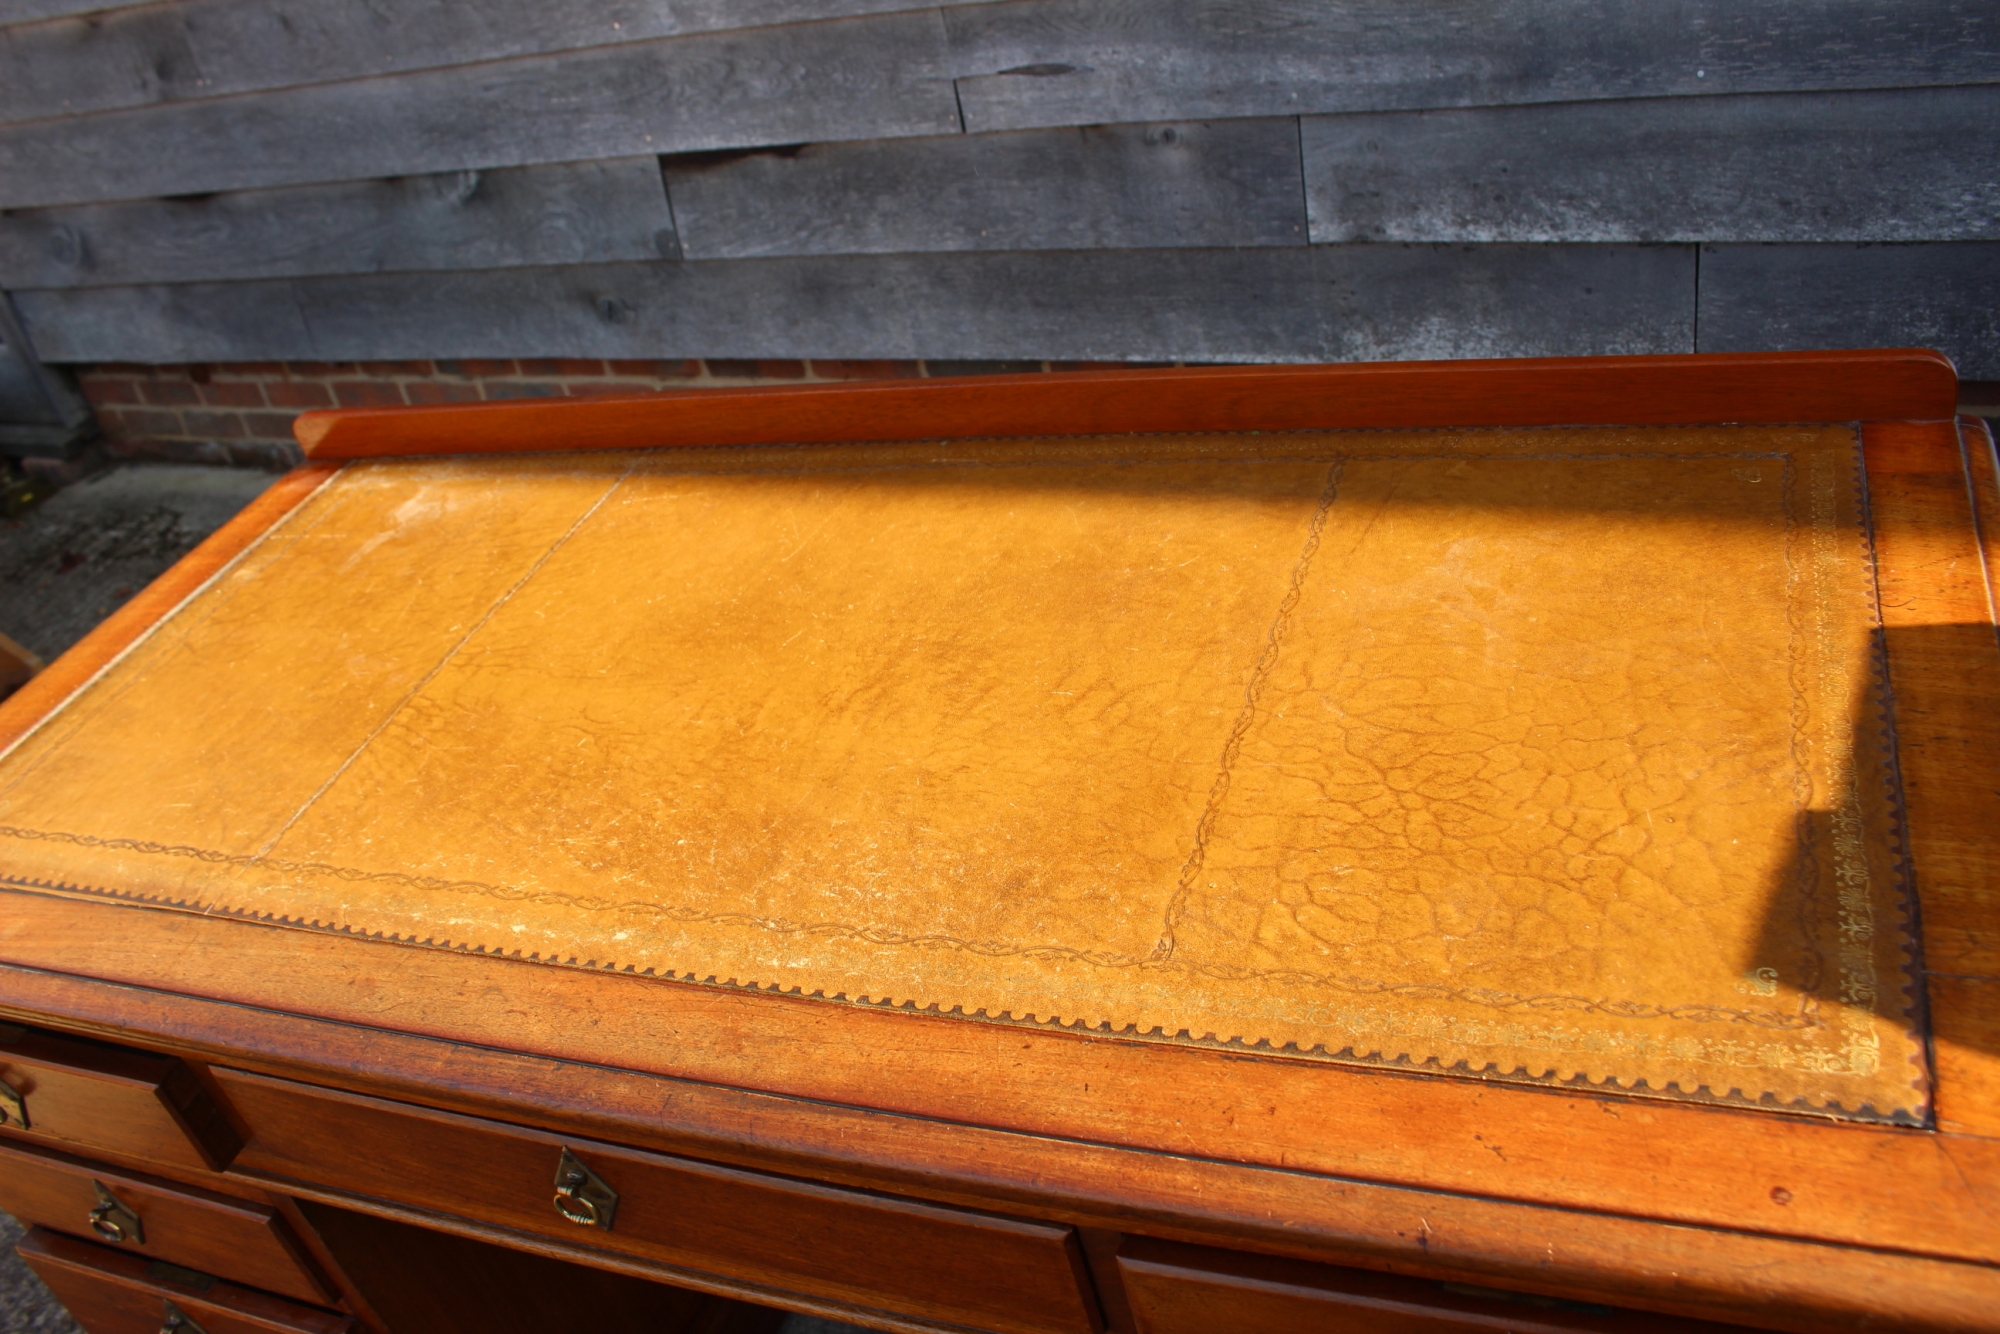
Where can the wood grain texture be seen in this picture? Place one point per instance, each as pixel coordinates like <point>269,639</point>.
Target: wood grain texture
<point>1944,295</point>
<point>844,79</point>
<point>1982,474</point>
<point>1931,488</point>
<point>22,711</point>
<point>99,61</point>
<point>946,1265</point>
<point>1226,183</point>
<point>204,1230</point>
<point>93,1096</point>
<point>1079,62</point>
<point>564,213</point>
<point>1194,1290</point>
<point>1898,165</point>
<point>1587,1151</point>
<point>732,1292</point>
<point>1609,1257</point>
<point>1635,390</point>
<point>1346,303</point>
<point>426,1282</point>
<point>1937,614</point>
<point>1965,1022</point>
<point>111,1292</point>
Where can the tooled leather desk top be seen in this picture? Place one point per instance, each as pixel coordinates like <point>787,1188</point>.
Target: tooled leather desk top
<point>1550,754</point>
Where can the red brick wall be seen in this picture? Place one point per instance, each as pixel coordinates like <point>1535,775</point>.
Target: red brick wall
<point>242,413</point>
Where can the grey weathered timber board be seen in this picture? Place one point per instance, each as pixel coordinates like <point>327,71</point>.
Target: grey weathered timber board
<point>1080,62</point>
<point>30,11</point>
<point>167,323</point>
<point>564,213</point>
<point>859,78</point>
<point>1919,164</point>
<point>1782,297</point>
<point>1101,187</point>
<point>1340,303</point>
<point>190,49</point>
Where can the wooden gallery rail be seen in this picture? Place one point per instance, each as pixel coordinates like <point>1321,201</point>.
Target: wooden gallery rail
<point>1494,845</point>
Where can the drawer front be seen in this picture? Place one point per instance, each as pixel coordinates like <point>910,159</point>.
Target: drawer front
<point>93,1096</point>
<point>236,1239</point>
<point>923,1260</point>
<point>1175,1289</point>
<point>112,1292</point>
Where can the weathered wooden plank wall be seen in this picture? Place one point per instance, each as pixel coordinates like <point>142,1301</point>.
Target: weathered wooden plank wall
<point>1075,62</point>
<point>1223,183</point>
<point>1915,164</point>
<point>1072,179</point>
<point>569,213</point>
<point>1320,303</point>
<point>133,57</point>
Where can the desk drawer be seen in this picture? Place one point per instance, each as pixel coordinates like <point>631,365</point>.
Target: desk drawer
<point>88,1095</point>
<point>1175,1289</point>
<point>923,1260</point>
<point>239,1239</point>
<point>112,1292</point>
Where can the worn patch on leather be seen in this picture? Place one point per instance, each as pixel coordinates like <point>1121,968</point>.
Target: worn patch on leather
<point>1550,754</point>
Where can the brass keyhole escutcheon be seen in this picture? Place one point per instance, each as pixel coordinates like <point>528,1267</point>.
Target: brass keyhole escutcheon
<point>113,1220</point>
<point>13,1107</point>
<point>178,1321</point>
<point>581,1195</point>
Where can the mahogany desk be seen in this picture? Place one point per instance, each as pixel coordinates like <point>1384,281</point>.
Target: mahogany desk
<point>1495,845</point>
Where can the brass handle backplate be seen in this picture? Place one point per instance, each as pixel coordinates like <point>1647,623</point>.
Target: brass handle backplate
<point>13,1107</point>
<point>581,1195</point>
<point>112,1220</point>
<point>178,1321</point>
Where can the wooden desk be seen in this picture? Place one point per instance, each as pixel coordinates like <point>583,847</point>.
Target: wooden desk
<point>404,1058</point>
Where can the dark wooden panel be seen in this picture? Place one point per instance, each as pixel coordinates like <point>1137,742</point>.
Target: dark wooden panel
<point>190,322</point>
<point>1227,183</point>
<point>845,79</point>
<point>1899,165</point>
<point>41,411</point>
<point>204,1230</point>
<point>1341,303</point>
<point>1777,297</point>
<point>92,1095</point>
<point>919,1259</point>
<point>424,1282</point>
<point>1077,62</point>
<point>566,213</point>
<point>1177,1289</point>
<point>110,1292</point>
<point>207,48</point>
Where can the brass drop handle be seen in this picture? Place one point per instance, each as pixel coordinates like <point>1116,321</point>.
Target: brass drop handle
<point>178,1321</point>
<point>13,1106</point>
<point>113,1220</point>
<point>581,1195</point>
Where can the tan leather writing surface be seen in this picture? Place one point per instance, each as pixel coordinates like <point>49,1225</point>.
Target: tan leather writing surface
<point>1543,754</point>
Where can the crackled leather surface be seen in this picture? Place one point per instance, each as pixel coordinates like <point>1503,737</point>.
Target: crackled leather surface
<point>1537,754</point>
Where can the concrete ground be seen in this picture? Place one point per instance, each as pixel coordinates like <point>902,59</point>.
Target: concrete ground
<point>65,565</point>
<point>72,560</point>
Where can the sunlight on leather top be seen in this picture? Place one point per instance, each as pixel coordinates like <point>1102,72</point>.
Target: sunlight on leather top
<point>1549,754</point>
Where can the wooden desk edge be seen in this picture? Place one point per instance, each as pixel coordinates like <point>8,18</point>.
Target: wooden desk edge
<point>1671,1267</point>
<point>1894,384</point>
